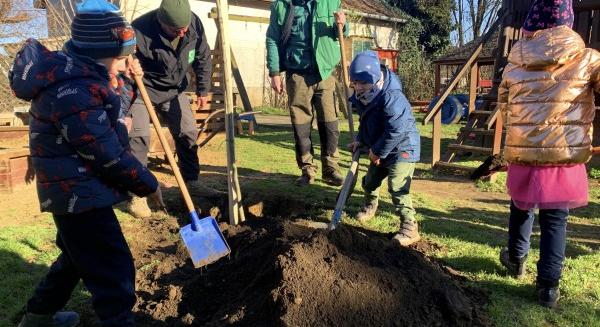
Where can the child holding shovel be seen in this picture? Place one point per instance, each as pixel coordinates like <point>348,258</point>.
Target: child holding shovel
<point>387,128</point>
<point>79,150</point>
<point>547,100</point>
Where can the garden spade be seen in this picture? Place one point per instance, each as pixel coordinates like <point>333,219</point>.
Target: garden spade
<point>351,177</point>
<point>202,237</point>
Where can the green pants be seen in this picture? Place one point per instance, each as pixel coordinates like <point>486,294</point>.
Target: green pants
<point>399,177</point>
<point>306,92</point>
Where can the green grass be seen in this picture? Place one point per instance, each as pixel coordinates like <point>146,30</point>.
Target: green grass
<point>469,234</point>
<point>268,110</point>
<point>26,253</point>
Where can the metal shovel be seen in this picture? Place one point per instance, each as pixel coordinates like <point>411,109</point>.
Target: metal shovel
<point>202,237</point>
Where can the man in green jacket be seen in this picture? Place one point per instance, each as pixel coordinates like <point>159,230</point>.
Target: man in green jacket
<point>308,56</point>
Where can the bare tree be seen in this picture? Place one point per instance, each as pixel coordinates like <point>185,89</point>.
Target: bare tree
<point>473,18</point>
<point>458,14</point>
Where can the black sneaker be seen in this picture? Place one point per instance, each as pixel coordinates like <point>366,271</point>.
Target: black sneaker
<point>305,180</point>
<point>333,177</point>
<point>548,296</point>
<point>516,268</point>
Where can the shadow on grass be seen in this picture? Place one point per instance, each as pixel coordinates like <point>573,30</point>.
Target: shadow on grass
<point>490,228</point>
<point>18,279</point>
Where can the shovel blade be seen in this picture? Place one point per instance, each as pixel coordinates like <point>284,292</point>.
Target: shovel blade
<point>206,243</point>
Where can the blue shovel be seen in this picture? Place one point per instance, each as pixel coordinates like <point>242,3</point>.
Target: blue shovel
<point>202,237</point>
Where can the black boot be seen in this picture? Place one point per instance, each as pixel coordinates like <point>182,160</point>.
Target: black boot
<point>548,294</point>
<point>515,266</point>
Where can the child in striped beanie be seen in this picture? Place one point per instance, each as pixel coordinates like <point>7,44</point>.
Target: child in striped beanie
<point>79,149</point>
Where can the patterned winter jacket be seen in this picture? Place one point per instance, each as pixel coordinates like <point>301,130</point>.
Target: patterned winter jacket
<point>79,147</point>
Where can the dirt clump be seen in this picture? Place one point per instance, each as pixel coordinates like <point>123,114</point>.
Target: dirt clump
<point>283,274</point>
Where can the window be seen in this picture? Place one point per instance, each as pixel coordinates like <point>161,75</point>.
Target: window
<point>360,45</point>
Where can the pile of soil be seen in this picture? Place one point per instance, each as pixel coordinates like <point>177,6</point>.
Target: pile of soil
<point>281,273</point>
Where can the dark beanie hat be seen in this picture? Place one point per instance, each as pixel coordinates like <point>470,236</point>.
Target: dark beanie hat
<point>99,30</point>
<point>545,14</point>
<point>175,13</point>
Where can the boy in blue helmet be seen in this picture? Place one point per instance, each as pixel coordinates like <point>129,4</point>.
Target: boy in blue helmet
<point>79,150</point>
<point>387,128</point>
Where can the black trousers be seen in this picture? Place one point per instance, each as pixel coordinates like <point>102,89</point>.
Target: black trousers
<point>178,115</point>
<point>553,240</point>
<point>95,251</point>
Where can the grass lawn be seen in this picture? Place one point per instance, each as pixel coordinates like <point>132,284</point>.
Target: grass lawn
<point>467,223</point>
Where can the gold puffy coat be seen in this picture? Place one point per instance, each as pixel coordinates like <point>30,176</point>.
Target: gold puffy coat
<point>547,99</point>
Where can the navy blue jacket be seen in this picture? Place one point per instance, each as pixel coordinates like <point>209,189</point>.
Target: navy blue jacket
<point>79,147</point>
<point>387,125</point>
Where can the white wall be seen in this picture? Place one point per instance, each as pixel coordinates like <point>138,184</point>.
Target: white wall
<point>385,37</point>
<point>247,40</point>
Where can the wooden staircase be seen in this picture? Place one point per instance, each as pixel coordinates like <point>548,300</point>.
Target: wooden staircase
<point>211,119</point>
<point>483,132</point>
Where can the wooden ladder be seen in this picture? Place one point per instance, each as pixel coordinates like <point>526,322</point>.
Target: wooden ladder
<point>483,132</point>
<point>211,119</point>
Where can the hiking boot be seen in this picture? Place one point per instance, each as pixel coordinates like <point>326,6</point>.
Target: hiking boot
<point>304,180</point>
<point>548,296</point>
<point>138,207</point>
<point>59,319</point>
<point>367,212</point>
<point>408,234</point>
<point>333,177</point>
<point>202,189</point>
<point>515,267</point>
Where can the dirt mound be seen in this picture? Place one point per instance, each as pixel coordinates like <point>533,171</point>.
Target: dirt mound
<point>284,274</point>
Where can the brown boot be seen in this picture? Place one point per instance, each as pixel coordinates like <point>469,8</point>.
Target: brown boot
<point>367,212</point>
<point>333,177</point>
<point>138,207</point>
<point>408,234</point>
<point>305,179</point>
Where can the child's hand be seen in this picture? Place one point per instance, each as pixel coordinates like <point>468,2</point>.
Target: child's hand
<point>128,123</point>
<point>353,146</point>
<point>134,68</point>
<point>374,158</point>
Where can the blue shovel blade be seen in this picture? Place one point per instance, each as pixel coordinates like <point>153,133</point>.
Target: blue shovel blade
<point>205,243</point>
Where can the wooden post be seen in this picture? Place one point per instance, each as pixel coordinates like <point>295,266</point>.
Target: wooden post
<point>473,86</point>
<point>498,135</point>
<point>236,213</point>
<point>438,80</point>
<point>436,138</point>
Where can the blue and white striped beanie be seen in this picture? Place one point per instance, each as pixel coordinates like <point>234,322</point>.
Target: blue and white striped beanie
<point>99,30</point>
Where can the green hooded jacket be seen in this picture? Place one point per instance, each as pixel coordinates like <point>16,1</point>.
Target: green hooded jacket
<point>324,50</point>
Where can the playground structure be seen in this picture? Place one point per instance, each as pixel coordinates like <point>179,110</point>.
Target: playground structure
<point>483,131</point>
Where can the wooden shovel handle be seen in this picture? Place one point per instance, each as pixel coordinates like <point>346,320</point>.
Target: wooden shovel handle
<point>596,150</point>
<point>340,28</point>
<point>165,144</point>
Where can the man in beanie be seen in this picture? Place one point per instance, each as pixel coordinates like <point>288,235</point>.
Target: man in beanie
<point>387,128</point>
<point>79,150</point>
<point>169,40</point>
<point>547,102</point>
<point>302,40</point>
